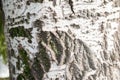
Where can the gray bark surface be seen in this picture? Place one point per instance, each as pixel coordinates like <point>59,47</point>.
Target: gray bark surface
<point>63,39</point>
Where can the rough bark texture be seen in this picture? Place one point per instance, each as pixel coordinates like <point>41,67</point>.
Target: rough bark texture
<point>63,39</point>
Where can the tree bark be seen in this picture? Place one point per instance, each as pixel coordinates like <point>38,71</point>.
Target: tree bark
<point>63,39</point>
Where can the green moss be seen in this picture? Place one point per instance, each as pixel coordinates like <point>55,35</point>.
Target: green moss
<point>38,70</point>
<point>25,62</point>
<point>41,60</point>
<point>3,47</point>
<point>44,58</point>
<point>20,31</point>
<point>53,41</point>
<point>53,46</point>
<point>20,77</point>
<point>56,46</point>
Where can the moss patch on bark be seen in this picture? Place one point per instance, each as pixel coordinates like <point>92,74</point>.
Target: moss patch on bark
<point>27,74</point>
<point>20,31</point>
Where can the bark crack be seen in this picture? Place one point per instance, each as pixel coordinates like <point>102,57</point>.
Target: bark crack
<point>51,51</point>
<point>71,6</point>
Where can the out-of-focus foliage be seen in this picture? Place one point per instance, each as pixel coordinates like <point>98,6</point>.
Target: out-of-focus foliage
<point>2,40</point>
<point>4,79</point>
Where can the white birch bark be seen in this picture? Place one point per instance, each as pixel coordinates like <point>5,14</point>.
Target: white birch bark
<point>63,39</point>
<point>4,71</point>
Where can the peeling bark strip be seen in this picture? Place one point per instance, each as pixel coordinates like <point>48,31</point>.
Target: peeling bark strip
<point>47,42</point>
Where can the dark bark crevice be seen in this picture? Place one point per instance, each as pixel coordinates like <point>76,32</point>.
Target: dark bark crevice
<point>71,6</point>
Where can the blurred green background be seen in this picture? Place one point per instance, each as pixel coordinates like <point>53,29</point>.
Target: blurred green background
<point>3,47</point>
<point>2,40</point>
<point>4,79</point>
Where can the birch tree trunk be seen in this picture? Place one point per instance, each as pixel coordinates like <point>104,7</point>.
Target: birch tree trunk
<point>63,39</point>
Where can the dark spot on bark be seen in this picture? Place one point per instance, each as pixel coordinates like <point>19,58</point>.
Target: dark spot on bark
<point>12,53</point>
<point>57,79</point>
<point>8,17</point>
<point>34,14</point>
<point>34,1</point>
<point>30,41</point>
<point>13,12</point>
<point>78,16</point>
<point>45,17</point>
<point>43,36</point>
<point>105,68</point>
<point>18,17</point>
<point>71,16</point>
<point>76,26</point>
<point>26,20</point>
<point>7,4</point>
<point>98,14</point>
<point>13,69</point>
<point>112,57</point>
<point>28,3</point>
<point>21,21</point>
<point>18,63</point>
<point>55,19</point>
<point>18,6</point>
<point>106,13</point>
<point>104,2</point>
<point>41,1</point>
<point>28,15</point>
<point>20,46</point>
<point>71,6</point>
<point>13,19</point>
<point>38,23</point>
<point>54,2</point>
